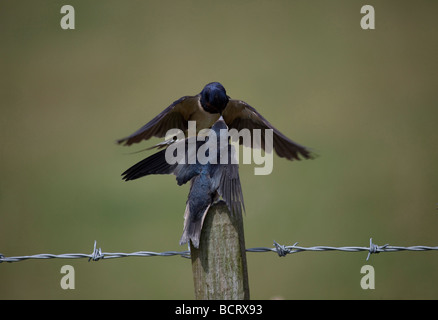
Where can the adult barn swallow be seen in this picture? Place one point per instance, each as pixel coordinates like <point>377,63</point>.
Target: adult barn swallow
<point>205,108</point>
<point>209,179</point>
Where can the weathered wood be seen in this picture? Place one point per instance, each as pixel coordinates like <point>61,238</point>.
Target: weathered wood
<point>219,265</point>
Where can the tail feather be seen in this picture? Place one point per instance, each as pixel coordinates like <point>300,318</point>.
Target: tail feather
<point>192,227</point>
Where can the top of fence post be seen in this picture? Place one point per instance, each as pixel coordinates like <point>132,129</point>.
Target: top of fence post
<point>219,265</point>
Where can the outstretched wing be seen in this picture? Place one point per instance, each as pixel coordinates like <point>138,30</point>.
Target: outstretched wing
<point>154,164</point>
<point>239,115</point>
<point>174,116</point>
<point>180,164</point>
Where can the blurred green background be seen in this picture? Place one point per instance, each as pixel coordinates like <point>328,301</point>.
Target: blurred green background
<point>365,100</point>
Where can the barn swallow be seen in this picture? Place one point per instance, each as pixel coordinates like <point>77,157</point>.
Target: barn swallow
<point>209,179</point>
<point>205,108</point>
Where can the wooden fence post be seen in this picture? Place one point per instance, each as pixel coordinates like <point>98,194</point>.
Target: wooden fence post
<point>219,265</point>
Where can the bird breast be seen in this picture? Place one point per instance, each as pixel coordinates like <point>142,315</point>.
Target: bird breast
<point>203,118</point>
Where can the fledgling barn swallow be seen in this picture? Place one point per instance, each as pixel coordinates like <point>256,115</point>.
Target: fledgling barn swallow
<point>216,176</point>
<point>205,108</point>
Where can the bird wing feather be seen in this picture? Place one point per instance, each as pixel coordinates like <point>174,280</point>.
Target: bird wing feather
<point>174,116</point>
<point>240,115</point>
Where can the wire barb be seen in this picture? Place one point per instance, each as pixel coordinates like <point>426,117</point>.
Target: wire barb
<point>375,248</point>
<point>97,253</point>
<point>282,251</point>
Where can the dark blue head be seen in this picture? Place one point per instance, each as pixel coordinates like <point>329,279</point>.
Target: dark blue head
<point>214,98</point>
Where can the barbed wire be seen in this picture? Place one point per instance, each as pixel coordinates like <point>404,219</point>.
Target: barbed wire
<point>372,249</point>
<point>281,250</point>
<point>96,255</point>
